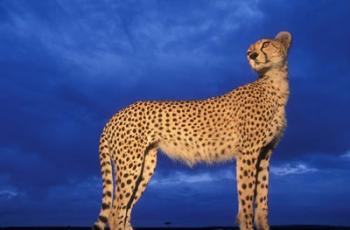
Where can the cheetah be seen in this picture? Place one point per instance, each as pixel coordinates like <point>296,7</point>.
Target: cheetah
<point>244,124</point>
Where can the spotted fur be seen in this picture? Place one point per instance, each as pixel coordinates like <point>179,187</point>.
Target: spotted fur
<point>245,124</point>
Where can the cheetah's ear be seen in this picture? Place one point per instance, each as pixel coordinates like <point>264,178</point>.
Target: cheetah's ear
<point>285,38</point>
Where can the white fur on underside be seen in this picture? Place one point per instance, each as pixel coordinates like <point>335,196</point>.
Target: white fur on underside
<point>191,154</point>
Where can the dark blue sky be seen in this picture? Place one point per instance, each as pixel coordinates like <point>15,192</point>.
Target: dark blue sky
<point>67,66</point>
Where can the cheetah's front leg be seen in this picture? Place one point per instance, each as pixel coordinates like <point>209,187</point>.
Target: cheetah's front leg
<point>245,173</point>
<point>262,188</point>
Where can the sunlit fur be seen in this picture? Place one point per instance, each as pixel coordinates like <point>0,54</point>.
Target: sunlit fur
<point>272,53</point>
<point>245,123</point>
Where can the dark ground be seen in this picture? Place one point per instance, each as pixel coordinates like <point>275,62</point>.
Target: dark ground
<point>296,227</point>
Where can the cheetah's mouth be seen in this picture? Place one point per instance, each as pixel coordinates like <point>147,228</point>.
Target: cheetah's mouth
<point>257,63</point>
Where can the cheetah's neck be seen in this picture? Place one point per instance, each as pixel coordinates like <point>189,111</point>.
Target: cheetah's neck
<point>278,78</point>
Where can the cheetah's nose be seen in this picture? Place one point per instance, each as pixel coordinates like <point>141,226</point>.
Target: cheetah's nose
<point>253,55</point>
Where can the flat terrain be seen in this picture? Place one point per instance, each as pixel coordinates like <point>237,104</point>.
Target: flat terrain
<point>296,227</point>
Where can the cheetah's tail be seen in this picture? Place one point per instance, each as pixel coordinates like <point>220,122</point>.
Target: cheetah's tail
<point>107,181</point>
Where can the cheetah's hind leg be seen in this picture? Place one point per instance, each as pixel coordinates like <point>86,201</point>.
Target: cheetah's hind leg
<point>132,179</point>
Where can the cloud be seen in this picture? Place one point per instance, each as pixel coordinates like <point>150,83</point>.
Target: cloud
<point>180,177</point>
<point>346,155</point>
<point>131,34</point>
<point>8,194</point>
<point>210,176</point>
<point>288,169</point>
<point>66,200</point>
<point>7,190</point>
<point>72,190</point>
<point>324,161</point>
<point>34,174</point>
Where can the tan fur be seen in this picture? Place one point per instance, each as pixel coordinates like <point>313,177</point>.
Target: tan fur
<point>245,124</point>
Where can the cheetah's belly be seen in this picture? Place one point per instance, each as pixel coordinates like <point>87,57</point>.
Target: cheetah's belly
<point>207,151</point>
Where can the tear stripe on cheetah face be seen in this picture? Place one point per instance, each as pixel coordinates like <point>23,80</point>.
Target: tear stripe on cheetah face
<point>240,124</point>
<point>269,53</point>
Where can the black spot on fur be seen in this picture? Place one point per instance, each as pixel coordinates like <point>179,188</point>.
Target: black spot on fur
<point>95,227</point>
<point>108,193</point>
<point>105,206</point>
<point>103,219</point>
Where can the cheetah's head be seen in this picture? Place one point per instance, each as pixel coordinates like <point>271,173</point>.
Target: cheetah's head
<point>269,53</point>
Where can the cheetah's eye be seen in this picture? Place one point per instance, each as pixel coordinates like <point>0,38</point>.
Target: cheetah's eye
<point>266,44</point>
